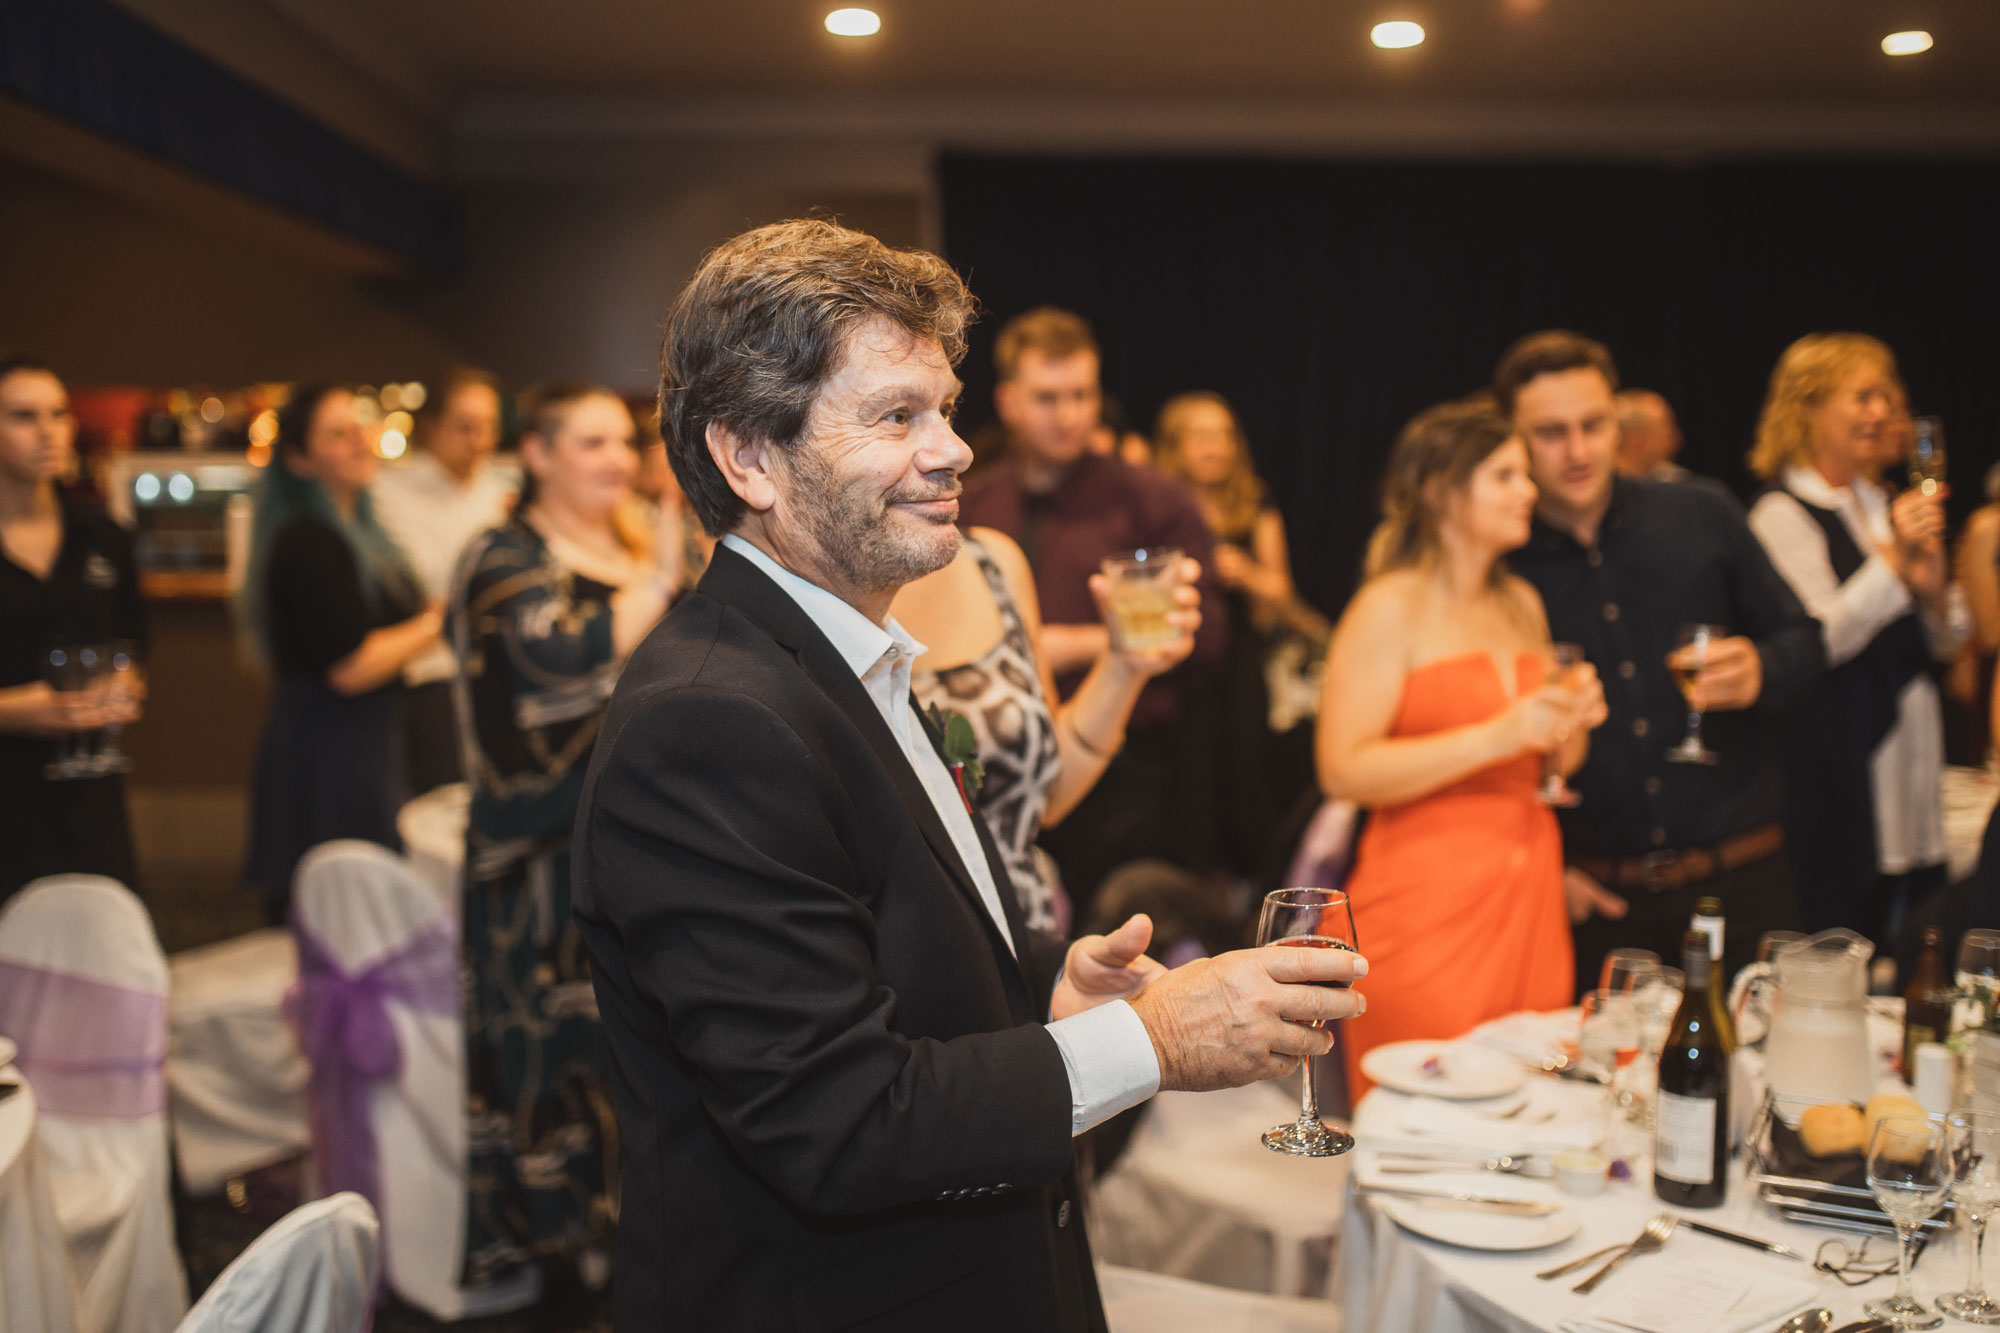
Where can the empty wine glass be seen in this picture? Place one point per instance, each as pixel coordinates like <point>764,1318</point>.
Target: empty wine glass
<point>1976,1144</point>
<point>1624,969</point>
<point>1910,1170</point>
<point>1690,655</point>
<point>1318,919</point>
<point>118,682</point>
<point>1564,659</point>
<point>63,671</point>
<point>1978,979</point>
<point>1658,998</point>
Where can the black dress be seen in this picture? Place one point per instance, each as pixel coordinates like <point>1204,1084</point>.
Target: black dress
<point>330,765</point>
<point>91,595</point>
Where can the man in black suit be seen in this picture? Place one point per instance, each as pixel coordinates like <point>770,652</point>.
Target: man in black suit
<point>848,1076</point>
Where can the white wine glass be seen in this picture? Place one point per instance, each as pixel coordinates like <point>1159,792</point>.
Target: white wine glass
<point>1910,1170</point>
<point>1690,655</point>
<point>1926,455</point>
<point>1313,919</point>
<point>1658,997</point>
<point>1976,1190</point>
<point>62,668</point>
<point>1624,969</point>
<point>119,684</point>
<point>1563,659</point>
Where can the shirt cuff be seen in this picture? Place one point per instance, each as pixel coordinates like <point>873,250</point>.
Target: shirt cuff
<point>1110,1062</point>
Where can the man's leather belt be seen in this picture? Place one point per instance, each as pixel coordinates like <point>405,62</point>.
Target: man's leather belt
<point>1659,872</point>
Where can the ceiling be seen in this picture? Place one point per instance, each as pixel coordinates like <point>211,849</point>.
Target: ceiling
<point>1511,50</point>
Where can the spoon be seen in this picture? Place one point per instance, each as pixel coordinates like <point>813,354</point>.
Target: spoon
<point>1808,1321</point>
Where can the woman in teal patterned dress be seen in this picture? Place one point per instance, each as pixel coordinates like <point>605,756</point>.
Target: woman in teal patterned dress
<point>544,610</point>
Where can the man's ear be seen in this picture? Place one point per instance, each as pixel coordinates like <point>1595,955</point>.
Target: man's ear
<point>746,464</point>
<point>1004,395</point>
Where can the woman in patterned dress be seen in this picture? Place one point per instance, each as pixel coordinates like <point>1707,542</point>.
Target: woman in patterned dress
<point>979,620</point>
<point>544,611</point>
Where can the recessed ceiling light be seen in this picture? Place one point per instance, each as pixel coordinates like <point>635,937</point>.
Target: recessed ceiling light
<point>1905,43</point>
<point>854,23</point>
<point>1396,36</point>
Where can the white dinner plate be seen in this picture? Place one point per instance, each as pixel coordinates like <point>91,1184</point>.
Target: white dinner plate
<point>6,1052</point>
<point>1463,1071</point>
<point>1479,1230</point>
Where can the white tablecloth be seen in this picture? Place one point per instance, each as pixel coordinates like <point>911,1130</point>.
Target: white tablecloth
<point>1394,1280</point>
<point>37,1289</point>
<point>1969,795</point>
<point>433,832</point>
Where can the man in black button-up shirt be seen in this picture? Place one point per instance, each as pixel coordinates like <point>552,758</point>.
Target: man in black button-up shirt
<point>1621,565</point>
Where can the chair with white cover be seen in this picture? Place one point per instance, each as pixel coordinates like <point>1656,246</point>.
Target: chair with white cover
<point>315,1268</point>
<point>236,1079</point>
<point>378,1015</point>
<point>1141,1302</point>
<point>83,992</point>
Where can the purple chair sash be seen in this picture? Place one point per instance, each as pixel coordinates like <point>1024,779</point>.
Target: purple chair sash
<point>90,1050</point>
<point>343,1026</point>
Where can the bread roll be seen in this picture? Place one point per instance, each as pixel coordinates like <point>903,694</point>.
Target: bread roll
<point>1832,1129</point>
<point>1901,1148</point>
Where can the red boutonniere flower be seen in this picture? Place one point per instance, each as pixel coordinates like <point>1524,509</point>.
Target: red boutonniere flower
<point>961,749</point>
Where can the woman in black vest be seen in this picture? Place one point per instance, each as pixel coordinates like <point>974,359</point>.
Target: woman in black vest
<point>1867,827</point>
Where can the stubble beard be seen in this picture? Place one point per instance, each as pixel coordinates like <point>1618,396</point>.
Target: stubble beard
<point>861,541</point>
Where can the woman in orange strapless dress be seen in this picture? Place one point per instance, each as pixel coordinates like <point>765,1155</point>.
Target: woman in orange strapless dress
<point>1437,715</point>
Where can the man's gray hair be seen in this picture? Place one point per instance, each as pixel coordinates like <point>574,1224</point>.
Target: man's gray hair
<point>762,326</point>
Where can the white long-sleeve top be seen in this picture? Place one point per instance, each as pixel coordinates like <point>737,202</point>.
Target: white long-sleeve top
<point>1908,766</point>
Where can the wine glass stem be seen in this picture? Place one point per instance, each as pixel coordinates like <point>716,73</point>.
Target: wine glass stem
<point>1308,1094</point>
<point>1694,727</point>
<point>1976,1289</point>
<point>1906,1239</point>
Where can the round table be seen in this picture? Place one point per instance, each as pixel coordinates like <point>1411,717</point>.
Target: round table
<point>1394,1280</point>
<point>37,1289</point>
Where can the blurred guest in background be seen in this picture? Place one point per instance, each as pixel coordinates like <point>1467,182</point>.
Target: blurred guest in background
<point>545,612</point>
<point>433,505</point>
<point>1113,435</point>
<point>1438,712</point>
<point>978,619</point>
<point>680,547</point>
<point>1068,509</point>
<point>1868,762</point>
<point>1262,776</point>
<point>334,610</point>
<point>1648,437</point>
<point>67,580</point>
<point>1976,566</point>
<point>1622,565</point>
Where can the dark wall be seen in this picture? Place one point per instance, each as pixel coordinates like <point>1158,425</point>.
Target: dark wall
<point>1332,301</point>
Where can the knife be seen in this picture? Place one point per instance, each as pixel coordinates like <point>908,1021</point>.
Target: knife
<point>1525,1207</point>
<point>1752,1241</point>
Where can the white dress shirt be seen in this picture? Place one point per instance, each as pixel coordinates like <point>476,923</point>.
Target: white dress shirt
<point>1908,766</point>
<point>1105,1050</point>
<point>433,515</point>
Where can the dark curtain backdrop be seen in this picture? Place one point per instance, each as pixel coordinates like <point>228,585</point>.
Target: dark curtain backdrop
<point>1331,301</point>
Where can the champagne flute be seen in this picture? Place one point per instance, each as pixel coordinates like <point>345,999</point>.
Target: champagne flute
<point>121,666</point>
<point>1977,1192</point>
<point>1926,455</point>
<point>1313,919</point>
<point>1690,655</point>
<point>1910,1169</point>
<point>64,673</point>
<point>1564,658</point>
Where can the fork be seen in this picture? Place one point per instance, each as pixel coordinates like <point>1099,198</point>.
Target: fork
<point>1652,1238</point>
<point>1548,1273</point>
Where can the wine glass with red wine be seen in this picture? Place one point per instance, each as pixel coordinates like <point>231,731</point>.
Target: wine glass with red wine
<point>1308,919</point>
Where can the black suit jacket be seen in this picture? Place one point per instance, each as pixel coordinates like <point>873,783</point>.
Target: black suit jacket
<point>838,1105</point>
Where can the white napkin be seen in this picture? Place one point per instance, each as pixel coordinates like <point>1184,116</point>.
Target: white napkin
<point>1429,1118</point>
<point>1714,1298</point>
<point>1531,1037</point>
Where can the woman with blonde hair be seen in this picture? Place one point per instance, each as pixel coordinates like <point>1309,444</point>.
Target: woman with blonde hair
<point>1866,824</point>
<point>1231,731</point>
<point>1437,714</point>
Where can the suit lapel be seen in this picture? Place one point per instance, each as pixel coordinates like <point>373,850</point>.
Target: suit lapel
<point>733,579</point>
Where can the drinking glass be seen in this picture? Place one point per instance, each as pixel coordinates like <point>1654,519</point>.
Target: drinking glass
<point>1320,919</point>
<point>1690,655</point>
<point>1926,455</point>
<point>63,670</point>
<point>1976,1140</point>
<point>1910,1169</point>
<point>1564,658</point>
<point>1139,586</point>
<point>1978,979</point>
<point>1624,969</point>
<point>120,667</point>
<point>1658,998</point>
<point>1607,1035</point>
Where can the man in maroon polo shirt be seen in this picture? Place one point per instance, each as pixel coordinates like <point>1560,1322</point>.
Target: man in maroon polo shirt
<point>1069,508</point>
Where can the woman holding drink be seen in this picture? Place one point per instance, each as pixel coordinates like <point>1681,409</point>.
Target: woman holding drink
<point>1442,700</point>
<point>979,619</point>
<point>1866,820</point>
